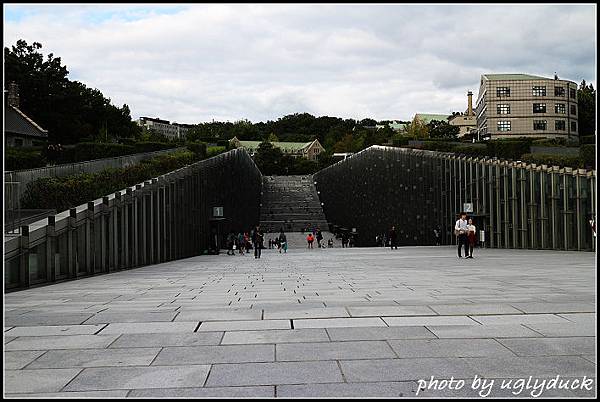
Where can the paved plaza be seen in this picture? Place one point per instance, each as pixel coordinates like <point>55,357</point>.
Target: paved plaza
<point>331,322</point>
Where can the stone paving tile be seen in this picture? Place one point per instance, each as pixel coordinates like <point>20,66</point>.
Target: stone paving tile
<point>215,392</point>
<point>149,327</point>
<point>523,367</point>
<point>483,331</point>
<point>405,369</point>
<point>219,315</point>
<point>91,379</point>
<point>108,317</point>
<point>338,322</point>
<point>9,338</point>
<point>244,325</point>
<point>78,395</point>
<point>61,342</point>
<point>518,319</point>
<point>55,330</point>
<point>21,381</point>
<point>567,329</point>
<point>163,340</point>
<point>95,358</point>
<point>275,336</point>
<point>378,311</point>
<point>534,308</point>
<point>414,348</point>
<point>46,319</point>
<point>18,359</point>
<point>334,351</point>
<point>325,312</point>
<point>551,346</point>
<point>473,308</point>
<point>174,356</point>
<point>353,390</point>
<point>426,321</point>
<point>379,333</point>
<point>274,373</point>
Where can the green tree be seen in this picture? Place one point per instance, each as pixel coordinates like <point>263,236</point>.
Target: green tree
<point>586,102</point>
<point>442,129</point>
<point>417,129</point>
<point>269,159</point>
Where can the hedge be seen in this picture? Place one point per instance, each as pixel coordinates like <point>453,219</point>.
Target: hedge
<point>62,193</point>
<point>554,160</point>
<point>587,139</point>
<point>509,148</point>
<point>198,148</point>
<point>587,153</point>
<point>24,158</point>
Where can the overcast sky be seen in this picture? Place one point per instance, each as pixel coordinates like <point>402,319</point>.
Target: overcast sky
<point>197,62</point>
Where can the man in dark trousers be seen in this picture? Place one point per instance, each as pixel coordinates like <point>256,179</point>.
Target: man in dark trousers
<point>393,238</point>
<point>461,230</point>
<point>257,239</point>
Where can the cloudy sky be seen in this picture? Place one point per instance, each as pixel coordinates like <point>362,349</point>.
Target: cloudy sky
<point>197,62</point>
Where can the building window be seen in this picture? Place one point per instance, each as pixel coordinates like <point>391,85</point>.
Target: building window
<point>502,91</point>
<point>560,108</point>
<point>504,126</point>
<point>539,108</point>
<point>573,93</point>
<point>539,91</point>
<point>539,125</point>
<point>559,125</point>
<point>559,91</point>
<point>503,109</point>
<point>573,126</point>
<point>573,109</point>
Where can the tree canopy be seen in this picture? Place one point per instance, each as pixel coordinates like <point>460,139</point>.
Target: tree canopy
<point>586,102</point>
<point>69,110</point>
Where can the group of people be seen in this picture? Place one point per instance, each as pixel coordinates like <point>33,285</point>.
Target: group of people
<point>245,241</point>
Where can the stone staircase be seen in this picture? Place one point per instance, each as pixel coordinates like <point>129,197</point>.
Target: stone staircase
<point>291,203</point>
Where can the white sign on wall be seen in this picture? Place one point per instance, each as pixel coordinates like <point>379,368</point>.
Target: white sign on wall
<point>468,207</point>
<point>217,212</point>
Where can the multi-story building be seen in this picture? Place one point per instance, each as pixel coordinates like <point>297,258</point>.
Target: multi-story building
<point>164,127</point>
<point>522,105</point>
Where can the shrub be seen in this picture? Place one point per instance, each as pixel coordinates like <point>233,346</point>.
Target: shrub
<point>587,139</point>
<point>198,148</point>
<point>62,193</point>
<point>24,158</point>
<point>509,148</point>
<point>86,151</point>
<point>474,150</point>
<point>553,160</point>
<point>587,153</point>
<point>441,146</point>
<point>151,146</point>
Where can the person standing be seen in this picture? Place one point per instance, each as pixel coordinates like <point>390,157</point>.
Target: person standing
<point>231,243</point>
<point>240,242</point>
<point>282,242</point>
<point>257,240</point>
<point>471,237</point>
<point>309,239</point>
<point>393,238</point>
<point>461,230</point>
<point>437,233</point>
<point>344,240</point>
<point>319,237</point>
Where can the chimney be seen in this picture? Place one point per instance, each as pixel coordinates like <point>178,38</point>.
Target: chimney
<point>470,104</point>
<point>13,94</point>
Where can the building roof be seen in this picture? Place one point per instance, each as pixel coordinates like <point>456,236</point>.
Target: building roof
<point>427,117</point>
<point>514,77</point>
<point>17,122</point>
<point>284,146</point>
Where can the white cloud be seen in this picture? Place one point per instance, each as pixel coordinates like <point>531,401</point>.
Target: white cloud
<point>194,63</point>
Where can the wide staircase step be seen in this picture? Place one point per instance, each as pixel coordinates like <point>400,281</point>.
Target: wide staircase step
<point>291,203</point>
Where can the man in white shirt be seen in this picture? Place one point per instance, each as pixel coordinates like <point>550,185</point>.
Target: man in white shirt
<point>461,230</point>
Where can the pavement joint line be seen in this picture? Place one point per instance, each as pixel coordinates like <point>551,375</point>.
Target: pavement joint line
<point>154,358</point>
<point>100,330</point>
<point>341,372</point>
<point>71,380</point>
<point>175,316</point>
<point>25,366</point>
<point>538,332</point>
<point>198,326</point>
